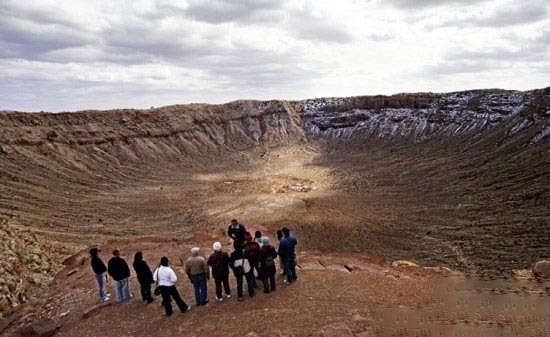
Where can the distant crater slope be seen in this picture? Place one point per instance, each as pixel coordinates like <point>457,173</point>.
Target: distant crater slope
<point>422,116</point>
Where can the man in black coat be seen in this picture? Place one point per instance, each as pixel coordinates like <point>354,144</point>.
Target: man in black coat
<point>144,276</point>
<point>99,272</point>
<point>236,231</point>
<point>119,271</point>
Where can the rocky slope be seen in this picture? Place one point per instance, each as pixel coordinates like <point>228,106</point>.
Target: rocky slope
<point>458,179</point>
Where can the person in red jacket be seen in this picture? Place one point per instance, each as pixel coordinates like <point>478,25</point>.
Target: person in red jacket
<point>253,249</point>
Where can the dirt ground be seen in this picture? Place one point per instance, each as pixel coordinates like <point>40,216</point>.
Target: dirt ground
<point>373,299</point>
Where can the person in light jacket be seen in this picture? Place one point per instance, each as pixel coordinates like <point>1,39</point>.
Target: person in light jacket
<point>198,272</point>
<point>166,279</point>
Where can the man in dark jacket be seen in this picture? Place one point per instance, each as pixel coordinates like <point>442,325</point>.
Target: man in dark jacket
<point>119,271</point>
<point>99,272</point>
<point>219,261</point>
<point>267,265</point>
<point>290,257</point>
<point>236,231</point>
<point>144,276</point>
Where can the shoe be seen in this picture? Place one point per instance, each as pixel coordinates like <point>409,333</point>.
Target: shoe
<point>188,308</point>
<point>266,291</point>
<point>286,281</point>
<point>106,299</point>
<point>227,296</point>
<point>219,299</point>
<point>206,302</point>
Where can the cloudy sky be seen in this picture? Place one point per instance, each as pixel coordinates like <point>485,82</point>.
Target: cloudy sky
<point>81,54</point>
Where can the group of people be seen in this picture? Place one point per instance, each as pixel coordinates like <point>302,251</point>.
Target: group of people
<point>252,259</point>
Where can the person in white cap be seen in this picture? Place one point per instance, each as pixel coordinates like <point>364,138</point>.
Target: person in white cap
<point>219,261</point>
<point>198,272</point>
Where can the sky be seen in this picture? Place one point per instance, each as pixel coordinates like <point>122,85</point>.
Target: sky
<point>81,54</point>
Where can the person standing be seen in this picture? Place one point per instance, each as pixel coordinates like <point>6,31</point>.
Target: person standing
<point>198,272</point>
<point>253,249</point>
<point>281,264</point>
<point>259,238</point>
<point>267,266</point>
<point>100,270</point>
<point>166,279</point>
<point>236,231</point>
<point>290,262</point>
<point>119,272</point>
<point>240,264</point>
<point>219,261</point>
<point>144,276</point>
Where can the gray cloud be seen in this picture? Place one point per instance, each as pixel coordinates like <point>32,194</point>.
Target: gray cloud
<point>535,52</point>
<point>240,11</point>
<point>509,14</point>
<point>417,4</point>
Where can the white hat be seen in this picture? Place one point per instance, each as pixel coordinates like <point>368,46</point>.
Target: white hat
<point>217,246</point>
<point>195,250</point>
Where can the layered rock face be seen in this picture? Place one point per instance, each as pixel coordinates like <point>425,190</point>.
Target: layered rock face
<point>420,117</point>
<point>25,266</point>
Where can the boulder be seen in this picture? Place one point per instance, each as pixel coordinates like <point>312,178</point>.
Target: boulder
<point>43,327</point>
<point>541,269</point>
<point>403,263</point>
<point>251,334</point>
<point>337,330</point>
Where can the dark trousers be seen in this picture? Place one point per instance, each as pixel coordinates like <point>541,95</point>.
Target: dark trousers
<point>266,281</point>
<point>250,282</point>
<point>145,289</point>
<point>167,294</point>
<point>225,281</point>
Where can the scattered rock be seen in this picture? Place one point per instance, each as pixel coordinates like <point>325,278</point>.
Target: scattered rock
<point>51,135</point>
<point>72,271</point>
<point>541,269</point>
<point>403,263</point>
<point>5,149</point>
<point>337,330</point>
<point>251,334</point>
<point>93,310</point>
<point>43,327</point>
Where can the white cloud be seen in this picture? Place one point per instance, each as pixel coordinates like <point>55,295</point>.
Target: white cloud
<point>81,54</point>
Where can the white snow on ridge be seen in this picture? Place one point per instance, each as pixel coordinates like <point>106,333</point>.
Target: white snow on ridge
<point>451,114</point>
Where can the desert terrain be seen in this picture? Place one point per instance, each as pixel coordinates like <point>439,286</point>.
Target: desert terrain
<point>459,182</point>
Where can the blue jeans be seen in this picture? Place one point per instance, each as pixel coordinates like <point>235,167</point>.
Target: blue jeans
<point>122,290</point>
<point>100,278</point>
<point>290,269</point>
<point>199,282</point>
